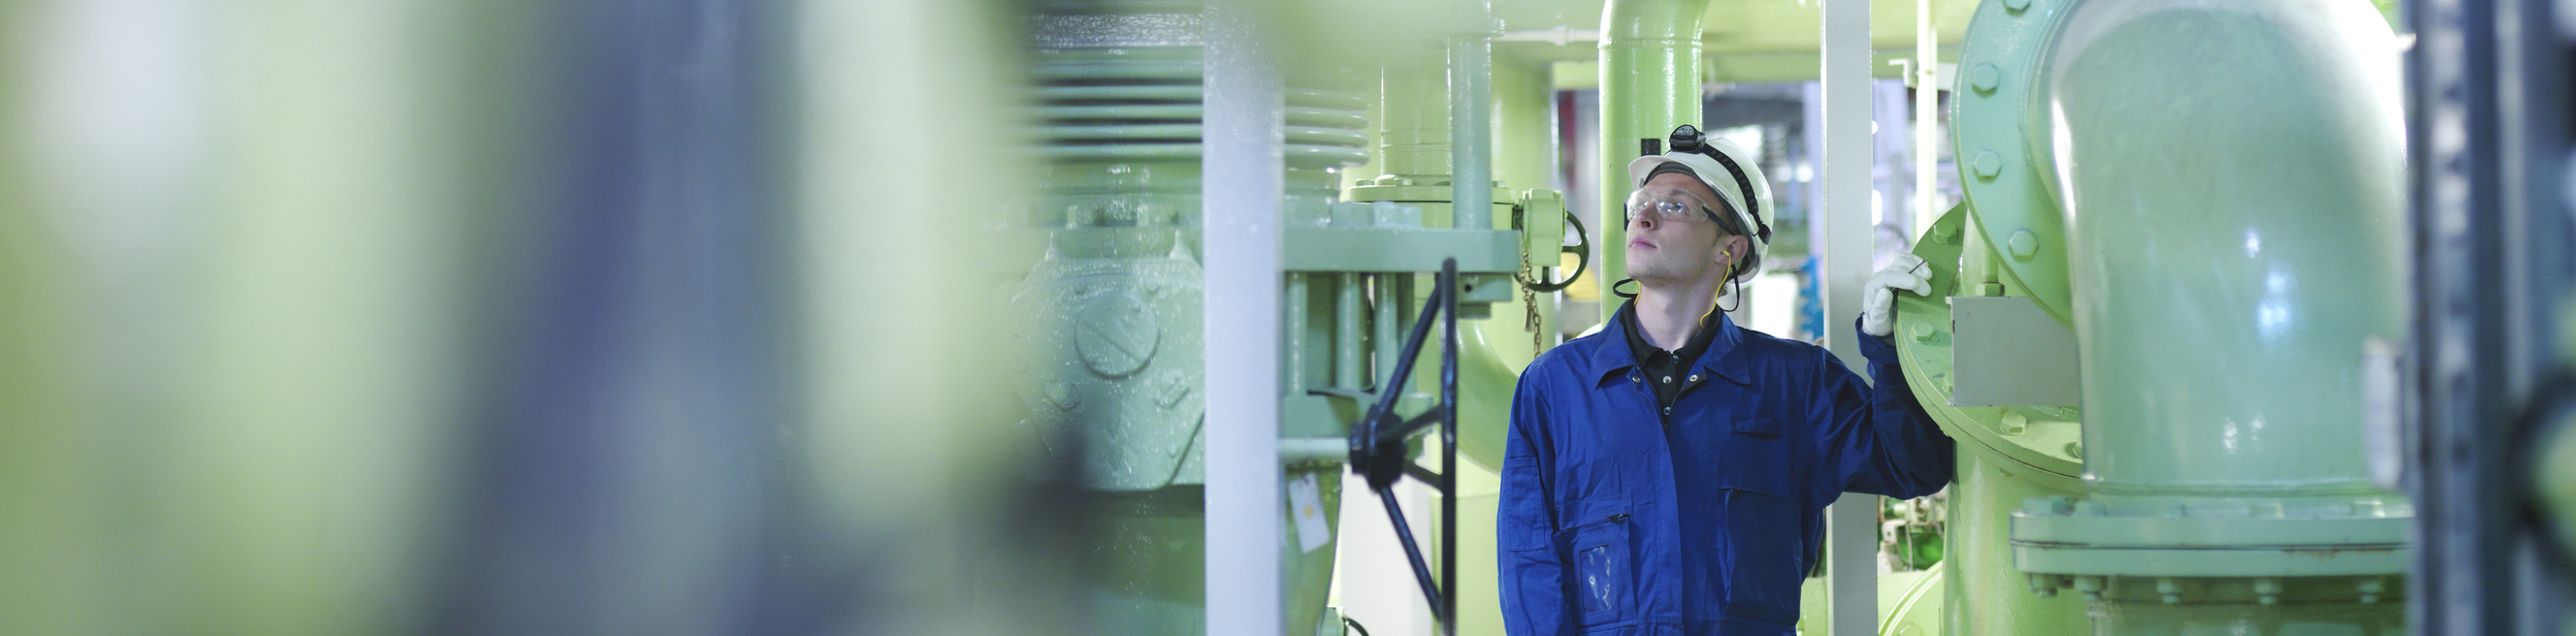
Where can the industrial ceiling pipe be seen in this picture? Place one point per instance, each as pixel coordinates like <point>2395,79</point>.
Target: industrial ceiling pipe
<point>1650,68</point>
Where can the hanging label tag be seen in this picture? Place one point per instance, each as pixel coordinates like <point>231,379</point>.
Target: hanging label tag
<point>1306,507</point>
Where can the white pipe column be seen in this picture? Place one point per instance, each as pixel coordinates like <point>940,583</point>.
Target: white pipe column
<point>1927,116</point>
<point>1841,226</point>
<point>1243,189</point>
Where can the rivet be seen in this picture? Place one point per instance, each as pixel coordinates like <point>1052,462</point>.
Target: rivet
<point>1988,164</point>
<point>2075,450</point>
<point>2015,423</point>
<point>2023,244</point>
<point>1923,332</point>
<point>1985,77</point>
<point>2017,6</point>
<point>2170,588</point>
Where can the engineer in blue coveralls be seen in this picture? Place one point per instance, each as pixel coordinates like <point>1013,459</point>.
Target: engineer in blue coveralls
<point>1668,475</point>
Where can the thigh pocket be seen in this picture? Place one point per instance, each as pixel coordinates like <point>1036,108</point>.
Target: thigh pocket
<point>1763,534</point>
<point>1604,569</point>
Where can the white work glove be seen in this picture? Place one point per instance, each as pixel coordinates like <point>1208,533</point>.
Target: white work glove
<point>1878,298</point>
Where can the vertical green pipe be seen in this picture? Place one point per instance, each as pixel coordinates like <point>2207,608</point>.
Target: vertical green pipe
<point>1471,130</point>
<point>1389,339</point>
<point>1650,57</point>
<point>1985,594</point>
<point>1413,101</point>
<point>1348,374</point>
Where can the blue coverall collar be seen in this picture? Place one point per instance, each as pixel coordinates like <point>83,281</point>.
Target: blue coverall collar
<point>1610,356</point>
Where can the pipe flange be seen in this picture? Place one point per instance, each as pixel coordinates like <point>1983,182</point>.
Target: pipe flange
<point>2040,444</point>
<point>2233,538</point>
<point>1998,116</point>
<point>2288,592</point>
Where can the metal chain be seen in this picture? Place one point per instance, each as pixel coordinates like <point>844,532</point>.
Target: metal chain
<point>1529,302</point>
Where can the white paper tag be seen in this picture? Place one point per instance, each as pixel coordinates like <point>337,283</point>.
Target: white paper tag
<point>1306,506</point>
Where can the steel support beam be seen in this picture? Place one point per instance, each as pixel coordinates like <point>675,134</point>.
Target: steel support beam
<point>1842,227</point>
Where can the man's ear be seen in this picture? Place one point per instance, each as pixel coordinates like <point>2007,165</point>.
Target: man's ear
<point>1731,249</point>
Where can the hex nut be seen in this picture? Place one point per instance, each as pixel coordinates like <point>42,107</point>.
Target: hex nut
<point>2023,245</point>
<point>1985,77</point>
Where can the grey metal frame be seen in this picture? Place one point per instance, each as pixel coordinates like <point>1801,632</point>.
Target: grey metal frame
<point>2489,134</point>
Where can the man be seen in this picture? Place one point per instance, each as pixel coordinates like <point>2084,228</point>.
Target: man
<point>1668,475</point>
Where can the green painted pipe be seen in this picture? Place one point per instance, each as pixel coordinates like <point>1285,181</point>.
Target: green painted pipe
<point>2234,235</point>
<point>1413,124</point>
<point>1471,132</point>
<point>1985,594</point>
<point>1650,60</point>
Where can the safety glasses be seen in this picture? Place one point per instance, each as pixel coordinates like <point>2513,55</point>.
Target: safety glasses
<point>1669,204</point>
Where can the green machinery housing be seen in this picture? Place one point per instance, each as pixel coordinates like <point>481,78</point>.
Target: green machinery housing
<point>1113,309</point>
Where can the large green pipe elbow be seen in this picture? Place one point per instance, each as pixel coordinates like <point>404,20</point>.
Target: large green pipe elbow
<point>2233,235</point>
<point>1650,58</point>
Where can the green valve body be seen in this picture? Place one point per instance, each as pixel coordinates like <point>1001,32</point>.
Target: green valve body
<point>2208,193</point>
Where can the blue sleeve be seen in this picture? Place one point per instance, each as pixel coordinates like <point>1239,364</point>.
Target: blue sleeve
<point>1879,439</point>
<point>1532,575</point>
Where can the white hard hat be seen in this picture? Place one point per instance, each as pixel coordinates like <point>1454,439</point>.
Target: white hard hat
<point>1727,169</point>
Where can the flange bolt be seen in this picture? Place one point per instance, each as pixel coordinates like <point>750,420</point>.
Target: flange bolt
<point>2023,245</point>
<point>1985,77</point>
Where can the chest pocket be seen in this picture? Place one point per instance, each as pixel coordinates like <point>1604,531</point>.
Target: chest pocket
<point>1605,581</point>
<point>1766,526</point>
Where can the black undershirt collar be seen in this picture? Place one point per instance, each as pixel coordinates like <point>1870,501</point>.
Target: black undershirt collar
<point>1667,371</point>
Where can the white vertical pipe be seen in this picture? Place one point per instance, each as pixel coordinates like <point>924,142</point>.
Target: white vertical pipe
<point>1242,187</point>
<point>1927,116</point>
<point>1842,219</point>
<point>1844,230</point>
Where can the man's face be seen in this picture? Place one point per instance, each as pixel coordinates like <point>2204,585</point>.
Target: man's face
<point>1670,251</point>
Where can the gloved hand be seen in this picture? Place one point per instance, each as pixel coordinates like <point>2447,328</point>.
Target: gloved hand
<point>1878,298</point>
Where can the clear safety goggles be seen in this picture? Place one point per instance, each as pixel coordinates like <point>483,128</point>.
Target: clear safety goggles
<point>1669,204</point>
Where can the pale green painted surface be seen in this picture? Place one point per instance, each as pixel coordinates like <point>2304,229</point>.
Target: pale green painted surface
<point>2189,619</point>
<point>1986,594</point>
<point>1650,70</point>
<point>1912,603</point>
<point>2041,444</point>
<point>1998,134</point>
<point>2235,238</point>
